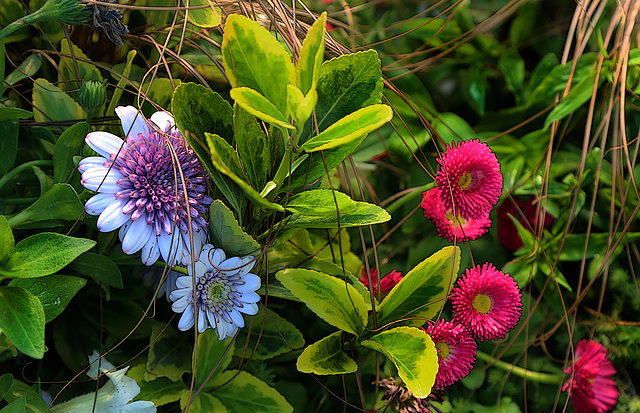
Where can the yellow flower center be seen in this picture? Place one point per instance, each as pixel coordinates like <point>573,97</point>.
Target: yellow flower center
<point>465,180</point>
<point>444,349</point>
<point>482,303</point>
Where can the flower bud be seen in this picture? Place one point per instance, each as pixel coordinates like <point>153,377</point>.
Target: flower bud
<point>92,95</point>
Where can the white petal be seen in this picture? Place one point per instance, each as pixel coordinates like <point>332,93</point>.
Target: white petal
<point>184,282</point>
<point>232,266</point>
<point>105,143</point>
<point>102,179</point>
<point>150,251</point>
<point>112,217</point>
<point>200,268</point>
<point>91,162</point>
<point>237,318</point>
<point>132,121</point>
<point>250,298</point>
<point>170,248</point>
<point>123,230</point>
<point>223,328</point>
<point>186,321</point>
<point>137,236</point>
<point>213,257</point>
<point>180,297</point>
<point>249,309</point>
<point>251,283</point>
<point>202,320</point>
<point>163,120</point>
<point>211,318</point>
<point>97,203</point>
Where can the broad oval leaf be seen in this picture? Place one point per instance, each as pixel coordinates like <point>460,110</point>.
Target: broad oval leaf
<point>214,356</point>
<point>45,253</point>
<point>203,403</point>
<point>239,391</point>
<point>169,354</point>
<point>349,128</point>
<point>227,234</point>
<point>99,267</point>
<point>8,113</point>
<point>413,353</point>
<point>423,290</point>
<point>326,357</point>
<point>252,57</point>
<point>327,296</point>
<point>277,336</point>
<point>68,145</point>
<point>203,17</point>
<point>54,291</point>
<point>311,55</point>
<point>22,320</point>
<point>259,106</point>
<point>61,202</point>
<point>50,103</point>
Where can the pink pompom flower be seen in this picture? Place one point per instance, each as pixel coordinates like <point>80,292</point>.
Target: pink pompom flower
<point>487,302</point>
<point>448,227</point>
<point>386,283</point>
<point>456,351</point>
<point>470,179</point>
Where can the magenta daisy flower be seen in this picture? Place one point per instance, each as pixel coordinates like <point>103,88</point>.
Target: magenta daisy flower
<point>456,351</point>
<point>470,179</point>
<point>591,388</point>
<point>487,302</point>
<point>142,184</point>
<point>448,227</point>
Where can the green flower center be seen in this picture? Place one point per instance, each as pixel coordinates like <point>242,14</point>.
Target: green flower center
<point>482,303</point>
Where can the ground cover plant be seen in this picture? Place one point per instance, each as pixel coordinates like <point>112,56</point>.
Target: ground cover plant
<point>215,206</point>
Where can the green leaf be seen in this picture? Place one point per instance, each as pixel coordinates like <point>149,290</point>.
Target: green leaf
<point>413,353</point>
<point>452,128</point>
<point>423,290</point>
<point>252,57</point>
<point>54,291</point>
<point>224,159</point>
<point>14,114</point>
<point>300,106</point>
<point>6,380</point>
<point>326,357</point>
<point>28,68</point>
<point>161,391</point>
<point>578,96</point>
<point>327,297</point>
<point>512,66</point>
<point>122,83</point>
<point>311,55</point>
<point>8,145</point>
<point>169,354</point>
<point>227,234</point>
<point>50,103</point>
<point>16,406</point>
<point>68,145</point>
<point>203,403</point>
<point>214,356</point>
<point>34,400</point>
<point>349,128</point>
<point>60,203</point>
<point>347,83</point>
<point>317,209</point>
<point>22,320</point>
<point>242,392</point>
<point>277,336</point>
<point>7,241</point>
<point>45,253</point>
<point>203,17</point>
<point>251,144</point>
<point>99,267</point>
<point>75,67</point>
<point>259,106</point>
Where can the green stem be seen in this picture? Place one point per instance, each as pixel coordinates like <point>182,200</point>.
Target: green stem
<point>281,173</point>
<point>15,171</point>
<point>536,376</point>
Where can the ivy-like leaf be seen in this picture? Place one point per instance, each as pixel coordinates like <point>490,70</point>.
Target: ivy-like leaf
<point>22,320</point>
<point>413,353</point>
<point>327,297</point>
<point>326,357</point>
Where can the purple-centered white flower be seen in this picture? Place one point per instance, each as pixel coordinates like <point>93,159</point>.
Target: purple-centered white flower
<point>224,288</point>
<point>151,186</point>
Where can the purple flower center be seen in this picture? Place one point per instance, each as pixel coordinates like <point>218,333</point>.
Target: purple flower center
<point>159,169</point>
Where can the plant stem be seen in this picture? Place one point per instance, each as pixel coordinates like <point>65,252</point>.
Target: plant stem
<point>536,376</point>
<point>15,171</point>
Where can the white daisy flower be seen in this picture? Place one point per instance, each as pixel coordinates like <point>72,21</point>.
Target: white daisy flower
<point>141,190</point>
<point>224,289</point>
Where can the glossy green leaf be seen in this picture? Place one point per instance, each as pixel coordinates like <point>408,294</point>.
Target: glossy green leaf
<point>224,159</point>
<point>122,82</point>
<point>169,354</point>
<point>74,67</point>
<point>452,128</point>
<point>99,267</point>
<point>203,17</point>
<point>300,106</point>
<point>54,291</point>
<point>326,357</point>
<point>7,241</point>
<point>6,380</point>
<point>161,391</point>
<point>50,103</point>
<point>9,113</point>
<point>423,290</point>
<point>45,253</point>
<point>22,320</point>
<point>35,404</point>
<point>252,146</point>
<point>311,55</point>
<point>277,336</point>
<point>413,353</point>
<point>252,57</point>
<point>60,203</point>
<point>28,68</point>
<point>17,406</point>
<point>203,403</point>
<point>579,95</point>
<point>227,234</point>
<point>349,128</point>
<point>317,209</point>
<point>214,356</point>
<point>259,106</point>
<point>8,145</point>
<point>68,145</point>
<point>512,66</point>
<point>331,299</point>
<point>242,392</point>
